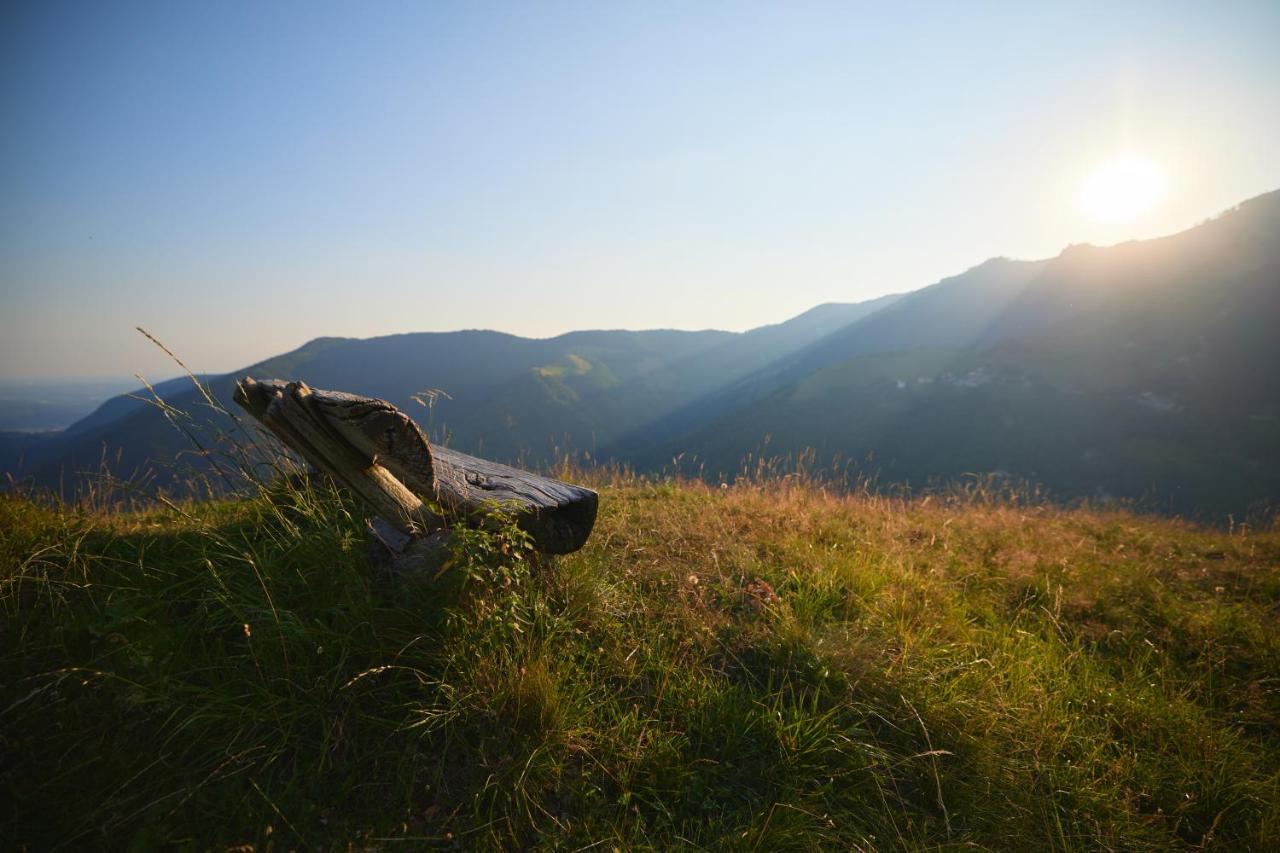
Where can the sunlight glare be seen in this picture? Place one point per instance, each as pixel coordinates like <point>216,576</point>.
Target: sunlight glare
<point>1122,190</point>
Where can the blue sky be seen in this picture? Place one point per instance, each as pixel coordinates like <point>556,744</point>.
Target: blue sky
<point>242,177</point>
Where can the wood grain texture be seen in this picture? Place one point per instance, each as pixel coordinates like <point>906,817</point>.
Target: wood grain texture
<point>289,415</point>
<point>402,554</point>
<point>557,515</point>
<point>378,452</point>
<point>383,433</point>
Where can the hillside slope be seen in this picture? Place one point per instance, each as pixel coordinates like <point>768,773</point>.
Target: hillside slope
<point>471,367</point>
<point>759,667</point>
<point>511,398</point>
<point>1144,370</point>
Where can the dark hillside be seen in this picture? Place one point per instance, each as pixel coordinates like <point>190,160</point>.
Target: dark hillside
<point>1142,371</point>
<point>512,398</point>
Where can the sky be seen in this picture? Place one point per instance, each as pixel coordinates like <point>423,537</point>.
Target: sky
<point>239,178</point>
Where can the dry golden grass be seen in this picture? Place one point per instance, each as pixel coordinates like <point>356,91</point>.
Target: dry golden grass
<point>772,665</point>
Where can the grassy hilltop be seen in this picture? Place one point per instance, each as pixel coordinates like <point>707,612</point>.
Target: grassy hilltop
<point>763,667</point>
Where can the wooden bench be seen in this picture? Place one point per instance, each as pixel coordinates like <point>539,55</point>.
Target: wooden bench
<point>417,491</point>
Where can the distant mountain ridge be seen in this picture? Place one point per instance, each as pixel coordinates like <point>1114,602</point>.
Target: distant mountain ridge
<point>1142,370</point>
<point>512,398</point>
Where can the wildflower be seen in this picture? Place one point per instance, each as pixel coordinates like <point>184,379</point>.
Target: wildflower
<point>760,594</point>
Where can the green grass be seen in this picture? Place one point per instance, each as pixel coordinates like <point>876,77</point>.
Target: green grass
<point>933,673</point>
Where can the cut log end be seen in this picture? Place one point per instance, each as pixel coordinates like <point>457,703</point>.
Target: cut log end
<point>564,529</point>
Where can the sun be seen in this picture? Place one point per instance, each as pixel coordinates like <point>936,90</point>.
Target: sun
<point>1122,190</point>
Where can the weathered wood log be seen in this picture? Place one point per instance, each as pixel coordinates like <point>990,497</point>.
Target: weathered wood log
<point>558,516</point>
<point>381,455</point>
<point>287,412</point>
<point>402,554</point>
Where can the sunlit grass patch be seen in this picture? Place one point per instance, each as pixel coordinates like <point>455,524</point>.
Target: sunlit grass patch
<point>761,666</point>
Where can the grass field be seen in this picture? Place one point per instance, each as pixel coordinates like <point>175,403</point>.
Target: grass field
<point>763,667</point>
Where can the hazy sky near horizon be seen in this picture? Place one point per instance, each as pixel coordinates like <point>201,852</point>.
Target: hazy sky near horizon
<point>242,177</point>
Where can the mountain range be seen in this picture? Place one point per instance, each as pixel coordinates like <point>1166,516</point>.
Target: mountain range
<point>1145,370</point>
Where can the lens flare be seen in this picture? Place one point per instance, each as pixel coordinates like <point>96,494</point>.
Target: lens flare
<point>1122,190</point>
